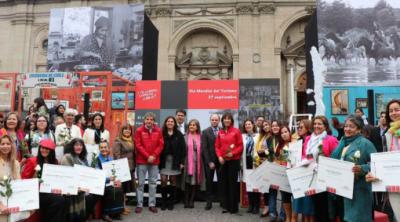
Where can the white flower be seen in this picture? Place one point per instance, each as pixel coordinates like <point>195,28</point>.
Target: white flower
<point>357,154</point>
<point>38,168</point>
<point>266,152</point>
<point>232,146</point>
<point>5,177</point>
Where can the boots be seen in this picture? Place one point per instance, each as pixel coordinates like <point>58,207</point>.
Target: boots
<point>172,197</point>
<point>256,203</point>
<point>164,197</point>
<point>250,197</point>
<point>192,196</point>
<point>187,195</point>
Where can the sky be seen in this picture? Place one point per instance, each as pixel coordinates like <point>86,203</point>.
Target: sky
<point>366,3</point>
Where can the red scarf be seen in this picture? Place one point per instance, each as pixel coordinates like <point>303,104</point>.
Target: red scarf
<point>196,138</point>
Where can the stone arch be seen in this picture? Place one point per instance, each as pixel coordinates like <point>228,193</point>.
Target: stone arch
<point>194,25</point>
<point>38,54</point>
<point>286,24</point>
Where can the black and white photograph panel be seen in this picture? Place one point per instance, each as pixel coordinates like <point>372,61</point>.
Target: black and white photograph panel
<point>359,41</point>
<point>97,39</point>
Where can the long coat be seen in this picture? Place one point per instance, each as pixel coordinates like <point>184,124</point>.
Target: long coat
<point>359,209</point>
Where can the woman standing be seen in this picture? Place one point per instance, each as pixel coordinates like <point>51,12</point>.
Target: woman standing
<point>357,149</point>
<point>12,124</point>
<point>248,162</point>
<point>282,158</point>
<point>262,154</point>
<point>9,167</point>
<point>79,207</point>
<point>113,198</point>
<point>194,175</point>
<point>391,143</point>
<point>124,147</point>
<point>321,142</point>
<point>172,160</point>
<point>97,133</point>
<point>52,206</point>
<point>40,131</point>
<point>58,113</point>
<point>303,205</point>
<point>229,148</point>
<point>41,107</point>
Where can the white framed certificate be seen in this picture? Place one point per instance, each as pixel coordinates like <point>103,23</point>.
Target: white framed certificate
<point>121,167</point>
<point>303,180</point>
<point>255,181</point>
<point>59,177</point>
<point>91,149</point>
<point>386,167</point>
<point>25,195</point>
<point>295,152</point>
<point>91,179</point>
<point>275,175</point>
<point>336,176</point>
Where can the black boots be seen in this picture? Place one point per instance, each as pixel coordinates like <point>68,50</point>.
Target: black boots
<point>168,195</point>
<point>172,197</point>
<point>164,197</point>
<point>254,202</point>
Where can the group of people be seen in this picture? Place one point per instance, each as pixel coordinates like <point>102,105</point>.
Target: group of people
<point>188,159</point>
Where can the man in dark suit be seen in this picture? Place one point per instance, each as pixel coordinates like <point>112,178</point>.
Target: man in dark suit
<point>180,116</point>
<point>378,132</point>
<point>210,159</point>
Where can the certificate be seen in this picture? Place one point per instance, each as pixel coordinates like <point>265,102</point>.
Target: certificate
<point>92,179</point>
<point>121,168</point>
<point>58,177</point>
<point>386,167</point>
<point>295,152</point>
<point>335,176</point>
<point>91,149</point>
<point>275,175</point>
<point>255,181</point>
<point>303,180</point>
<point>25,195</point>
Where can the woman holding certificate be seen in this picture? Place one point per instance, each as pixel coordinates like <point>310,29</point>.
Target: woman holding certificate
<point>52,206</point>
<point>248,162</point>
<point>229,147</point>
<point>9,167</point>
<point>97,133</point>
<point>172,159</point>
<point>321,142</point>
<point>392,143</point>
<point>82,204</point>
<point>354,147</point>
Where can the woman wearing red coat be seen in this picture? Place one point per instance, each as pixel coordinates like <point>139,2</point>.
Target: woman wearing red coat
<point>229,147</point>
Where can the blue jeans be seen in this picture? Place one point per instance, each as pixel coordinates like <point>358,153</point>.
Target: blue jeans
<point>272,203</point>
<point>152,171</point>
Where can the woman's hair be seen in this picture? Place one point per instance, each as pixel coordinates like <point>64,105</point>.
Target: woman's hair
<point>244,125</point>
<point>58,107</point>
<point>40,102</point>
<point>307,124</point>
<point>281,142</point>
<point>324,121</point>
<point>164,127</point>
<point>69,148</point>
<point>124,127</point>
<point>102,121</point>
<point>335,123</point>
<point>47,130</point>
<point>262,131</point>
<point>12,155</point>
<point>359,109</point>
<point>51,158</point>
<point>197,123</point>
<point>388,120</point>
<point>225,116</point>
<point>18,120</point>
<point>279,124</point>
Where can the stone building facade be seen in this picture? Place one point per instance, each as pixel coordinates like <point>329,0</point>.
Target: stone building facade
<point>198,39</point>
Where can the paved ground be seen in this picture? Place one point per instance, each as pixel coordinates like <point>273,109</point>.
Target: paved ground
<point>198,214</point>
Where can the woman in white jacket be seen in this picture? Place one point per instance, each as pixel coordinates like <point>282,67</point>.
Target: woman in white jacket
<point>96,133</point>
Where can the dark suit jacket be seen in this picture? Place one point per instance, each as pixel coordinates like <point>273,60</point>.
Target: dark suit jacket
<point>208,146</point>
<point>376,138</point>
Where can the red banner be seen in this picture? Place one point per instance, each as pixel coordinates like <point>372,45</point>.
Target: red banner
<point>148,95</point>
<point>218,94</point>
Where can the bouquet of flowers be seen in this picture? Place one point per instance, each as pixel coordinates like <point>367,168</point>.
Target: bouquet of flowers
<point>64,136</point>
<point>6,183</point>
<point>95,160</point>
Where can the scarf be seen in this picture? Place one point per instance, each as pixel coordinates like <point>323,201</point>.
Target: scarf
<point>395,128</point>
<point>249,144</point>
<point>314,142</point>
<point>345,141</point>
<point>260,142</point>
<point>127,139</point>
<point>196,139</point>
<point>97,136</point>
